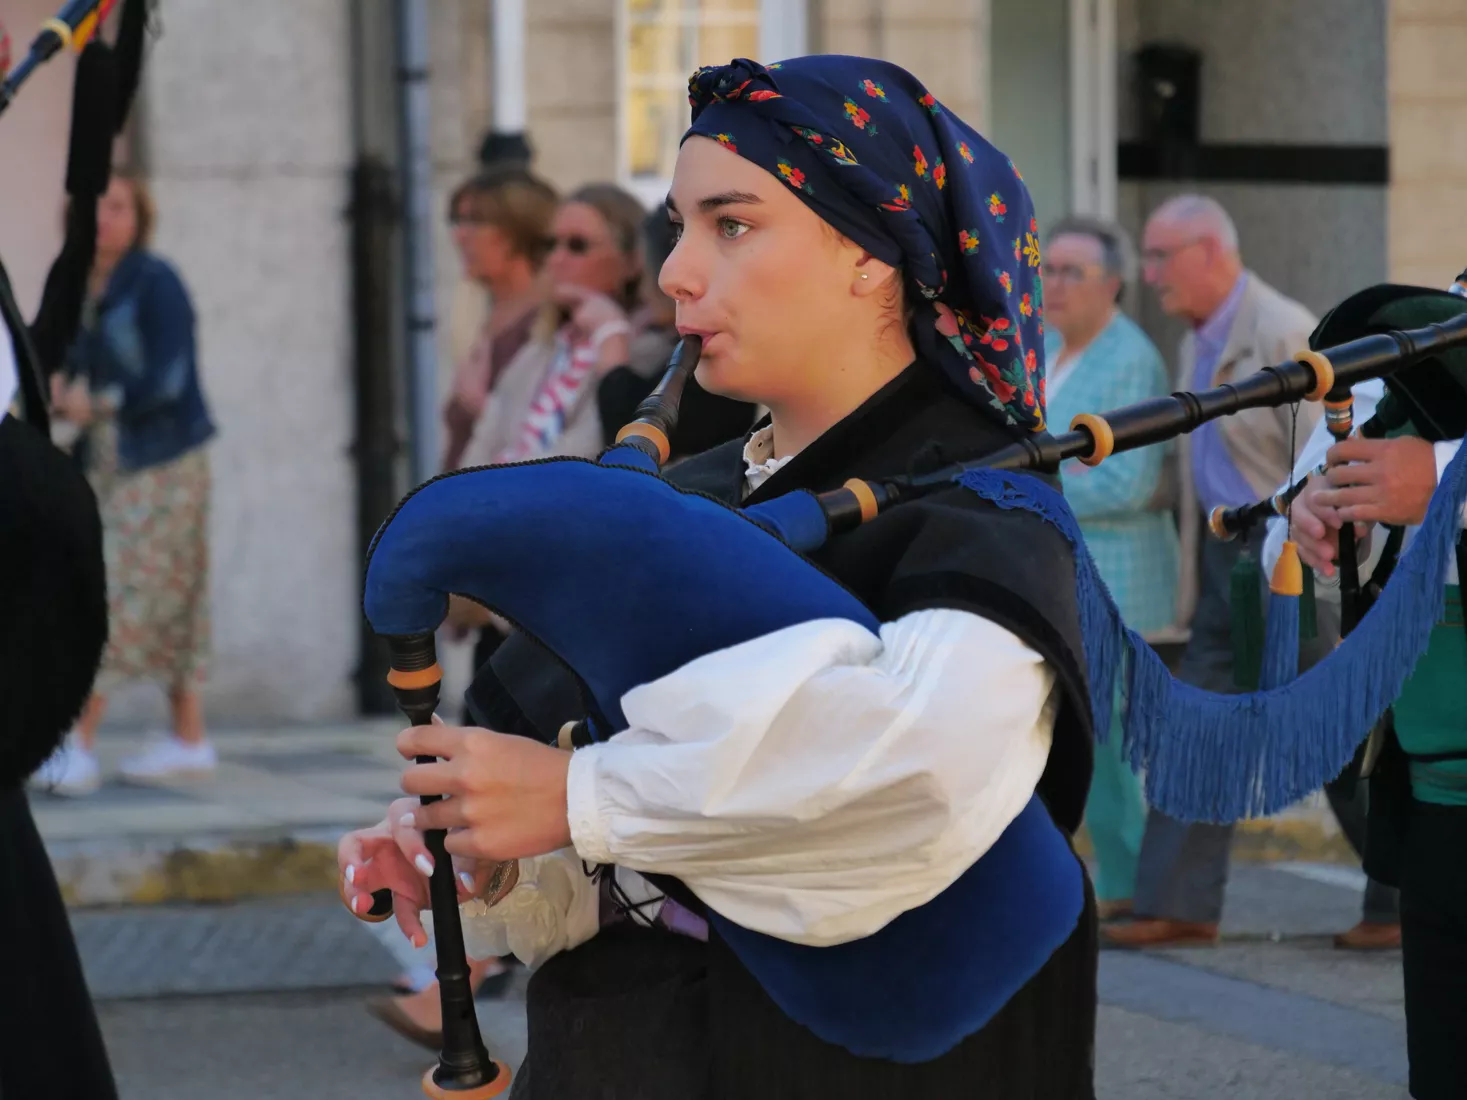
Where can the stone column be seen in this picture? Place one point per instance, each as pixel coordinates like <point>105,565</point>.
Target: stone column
<point>1428,136</point>
<point>943,42</point>
<point>571,74</point>
<point>246,112</point>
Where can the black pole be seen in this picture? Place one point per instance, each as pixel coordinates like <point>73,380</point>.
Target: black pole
<point>377,445</point>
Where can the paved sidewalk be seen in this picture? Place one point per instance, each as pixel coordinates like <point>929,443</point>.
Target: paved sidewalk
<point>268,822</point>
<point>265,998</point>
<point>265,824</point>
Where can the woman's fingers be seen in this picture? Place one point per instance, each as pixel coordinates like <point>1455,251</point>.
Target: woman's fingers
<point>403,821</point>
<point>451,813</point>
<point>440,778</point>
<point>438,740</point>
<point>471,875</point>
<point>351,849</point>
<point>378,865</point>
<point>410,919</point>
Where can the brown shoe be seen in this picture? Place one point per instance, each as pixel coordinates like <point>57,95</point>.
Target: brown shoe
<point>1160,933</point>
<point>1119,909</point>
<point>390,1013</point>
<point>1370,936</point>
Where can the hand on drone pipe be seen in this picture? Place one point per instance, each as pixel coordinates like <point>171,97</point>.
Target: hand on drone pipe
<point>1379,481</point>
<point>1315,528</point>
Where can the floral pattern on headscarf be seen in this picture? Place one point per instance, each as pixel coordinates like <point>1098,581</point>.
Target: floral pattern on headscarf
<point>872,152</point>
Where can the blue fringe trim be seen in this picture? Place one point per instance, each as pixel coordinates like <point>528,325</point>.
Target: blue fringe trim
<point>1281,642</point>
<point>1223,758</point>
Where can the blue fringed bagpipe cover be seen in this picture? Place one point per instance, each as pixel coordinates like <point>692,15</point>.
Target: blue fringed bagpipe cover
<point>1223,758</point>
<point>627,578</point>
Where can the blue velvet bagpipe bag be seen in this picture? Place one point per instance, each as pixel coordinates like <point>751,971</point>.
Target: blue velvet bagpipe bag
<point>626,578</point>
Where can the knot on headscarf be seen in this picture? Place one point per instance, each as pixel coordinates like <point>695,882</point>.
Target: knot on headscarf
<point>875,155</point>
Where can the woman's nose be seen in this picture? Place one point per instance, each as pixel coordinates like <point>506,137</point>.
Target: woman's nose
<point>678,278</point>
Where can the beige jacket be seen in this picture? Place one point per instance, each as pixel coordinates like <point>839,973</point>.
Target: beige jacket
<point>499,424</point>
<point>1269,328</point>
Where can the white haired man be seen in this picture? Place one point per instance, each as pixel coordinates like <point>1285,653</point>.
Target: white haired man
<point>1239,324</point>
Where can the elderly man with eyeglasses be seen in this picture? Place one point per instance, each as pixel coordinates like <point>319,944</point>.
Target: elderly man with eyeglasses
<point>1238,325</point>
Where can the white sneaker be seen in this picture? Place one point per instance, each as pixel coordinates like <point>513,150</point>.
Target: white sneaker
<point>170,758</point>
<point>71,771</point>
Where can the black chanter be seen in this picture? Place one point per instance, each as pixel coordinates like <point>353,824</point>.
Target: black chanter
<point>1093,437</point>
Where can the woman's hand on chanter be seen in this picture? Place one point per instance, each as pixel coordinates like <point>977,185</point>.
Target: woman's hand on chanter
<point>391,855</point>
<point>504,796</point>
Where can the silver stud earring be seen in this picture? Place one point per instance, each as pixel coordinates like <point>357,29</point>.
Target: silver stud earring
<point>865,275</point>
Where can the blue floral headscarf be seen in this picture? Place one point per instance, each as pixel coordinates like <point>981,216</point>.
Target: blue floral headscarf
<point>878,158</point>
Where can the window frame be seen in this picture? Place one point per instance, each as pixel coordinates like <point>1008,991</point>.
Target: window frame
<point>783,32</point>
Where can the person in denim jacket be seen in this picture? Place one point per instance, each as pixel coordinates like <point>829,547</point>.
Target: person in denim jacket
<point>131,385</point>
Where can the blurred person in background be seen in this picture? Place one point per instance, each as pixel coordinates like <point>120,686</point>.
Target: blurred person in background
<point>131,384</point>
<point>1100,359</point>
<point>1238,325</point>
<point>500,220</point>
<point>471,300</point>
<point>545,400</point>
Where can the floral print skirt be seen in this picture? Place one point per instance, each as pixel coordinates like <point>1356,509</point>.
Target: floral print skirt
<point>155,533</point>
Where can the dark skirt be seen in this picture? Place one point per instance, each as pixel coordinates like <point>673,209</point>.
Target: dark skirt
<point>647,1015</point>
<point>54,1047</point>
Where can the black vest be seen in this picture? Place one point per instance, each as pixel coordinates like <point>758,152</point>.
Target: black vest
<point>650,1015</point>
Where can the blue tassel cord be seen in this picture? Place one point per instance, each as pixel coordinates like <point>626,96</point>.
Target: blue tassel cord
<point>1280,662</point>
<point>1223,758</point>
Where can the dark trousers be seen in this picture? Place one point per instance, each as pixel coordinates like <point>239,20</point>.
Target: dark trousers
<point>1347,798</point>
<point>1183,868</point>
<point>1434,949</point>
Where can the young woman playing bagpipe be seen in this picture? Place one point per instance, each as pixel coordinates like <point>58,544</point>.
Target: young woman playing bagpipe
<point>764,885</point>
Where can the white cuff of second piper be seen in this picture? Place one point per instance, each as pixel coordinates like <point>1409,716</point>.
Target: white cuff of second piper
<point>587,827</point>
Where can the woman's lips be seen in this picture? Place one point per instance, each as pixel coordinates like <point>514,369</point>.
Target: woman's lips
<point>707,337</point>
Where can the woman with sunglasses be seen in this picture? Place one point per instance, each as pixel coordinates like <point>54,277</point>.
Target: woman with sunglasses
<point>544,402</point>
<point>864,265</point>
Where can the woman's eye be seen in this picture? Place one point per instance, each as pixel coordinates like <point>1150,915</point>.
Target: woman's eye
<point>677,231</point>
<point>729,229</point>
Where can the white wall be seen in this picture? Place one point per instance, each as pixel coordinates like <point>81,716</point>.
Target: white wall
<point>33,136</point>
<point>246,112</point>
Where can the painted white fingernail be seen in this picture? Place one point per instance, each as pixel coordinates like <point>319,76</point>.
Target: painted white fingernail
<point>356,904</point>
<point>351,875</point>
<point>424,864</point>
<point>467,879</point>
<point>407,821</point>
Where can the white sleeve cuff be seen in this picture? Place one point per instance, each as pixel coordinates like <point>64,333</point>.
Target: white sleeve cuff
<point>1444,452</point>
<point>587,828</point>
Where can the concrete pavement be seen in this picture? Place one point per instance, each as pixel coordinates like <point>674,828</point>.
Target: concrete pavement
<point>264,998</point>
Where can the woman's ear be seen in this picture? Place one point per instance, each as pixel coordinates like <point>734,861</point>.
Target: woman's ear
<point>871,275</point>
